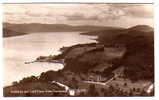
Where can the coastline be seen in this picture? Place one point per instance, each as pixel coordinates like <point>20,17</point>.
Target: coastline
<point>75,75</point>
<point>94,65</point>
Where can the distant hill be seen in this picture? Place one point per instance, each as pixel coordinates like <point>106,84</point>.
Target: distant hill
<point>37,27</point>
<point>124,36</point>
<point>112,30</point>
<point>9,33</point>
<point>144,28</point>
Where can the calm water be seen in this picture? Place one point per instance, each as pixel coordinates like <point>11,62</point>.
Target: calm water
<point>19,49</point>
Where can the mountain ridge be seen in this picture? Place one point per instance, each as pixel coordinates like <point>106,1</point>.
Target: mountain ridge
<point>37,27</point>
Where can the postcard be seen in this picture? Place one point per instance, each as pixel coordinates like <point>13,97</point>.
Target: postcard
<point>78,49</point>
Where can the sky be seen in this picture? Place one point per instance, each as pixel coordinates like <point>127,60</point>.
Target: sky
<point>121,15</point>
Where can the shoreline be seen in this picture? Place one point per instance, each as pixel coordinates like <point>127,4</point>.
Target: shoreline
<point>109,59</point>
<point>67,56</point>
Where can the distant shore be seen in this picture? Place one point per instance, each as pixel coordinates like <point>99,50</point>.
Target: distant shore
<point>11,33</point>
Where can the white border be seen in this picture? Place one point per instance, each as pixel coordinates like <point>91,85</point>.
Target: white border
<point>156,26</point>
<point>156,45</point>
<point>1,54</point>
<point>86,1</point>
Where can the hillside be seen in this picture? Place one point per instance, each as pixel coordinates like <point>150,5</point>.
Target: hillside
<point>87,67</point>
<point>9,33</point>
<point>144,28</point>
<point>37,27</point>
<point>139,42</point>
<point>120,64</point>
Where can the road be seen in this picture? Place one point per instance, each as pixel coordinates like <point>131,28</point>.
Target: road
<point>67,89</point>
<point>101,83</point>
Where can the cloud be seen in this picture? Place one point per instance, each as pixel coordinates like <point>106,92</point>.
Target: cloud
<point>79,16</point>
<point>139,12</point>
<point>112,12</point>
<point>135,10</point>
<point>76,13</point>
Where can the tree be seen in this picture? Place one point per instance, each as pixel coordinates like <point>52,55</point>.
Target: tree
<point>29,79</point>
<point>143,93</point>
<point>138,90</point>
<point>50,75</point>
<point>92,91</point>
<point>106,92</point>
<point>102,90</point>
<point>131,92</point>
<point>125,84</point>
<point>134,89</point>
<point>15,83</point>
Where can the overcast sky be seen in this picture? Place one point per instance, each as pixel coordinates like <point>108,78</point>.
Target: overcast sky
<point>124,15</point>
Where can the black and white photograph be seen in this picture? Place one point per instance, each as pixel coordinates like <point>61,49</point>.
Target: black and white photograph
<point>78,49</point>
